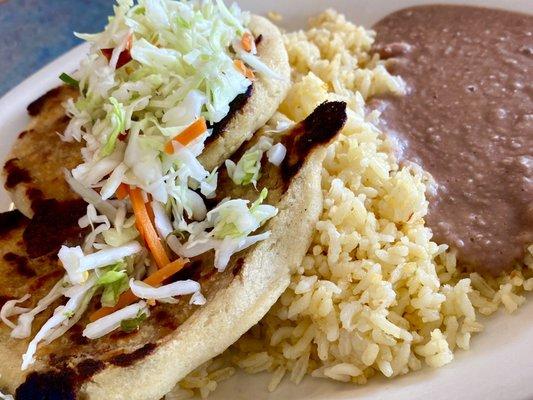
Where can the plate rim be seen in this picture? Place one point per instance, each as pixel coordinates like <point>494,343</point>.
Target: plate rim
<point>13,104</point>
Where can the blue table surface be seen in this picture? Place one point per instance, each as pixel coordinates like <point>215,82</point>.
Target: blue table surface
<point>35,32</point>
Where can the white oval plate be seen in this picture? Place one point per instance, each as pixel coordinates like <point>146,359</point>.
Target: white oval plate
<point>500,364</point>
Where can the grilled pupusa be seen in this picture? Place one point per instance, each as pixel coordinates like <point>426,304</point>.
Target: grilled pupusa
<point>39,151</point>
<point>253,109</point>
<point>176,338</point>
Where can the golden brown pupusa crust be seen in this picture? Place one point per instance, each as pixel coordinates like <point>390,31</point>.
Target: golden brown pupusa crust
<point>19,275</point>
<point>299,140</point>
<point>73,367</point>
<point>254,108</point>
<point>33,170</point>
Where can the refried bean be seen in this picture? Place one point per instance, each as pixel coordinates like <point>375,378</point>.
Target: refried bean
<point>467,119</point>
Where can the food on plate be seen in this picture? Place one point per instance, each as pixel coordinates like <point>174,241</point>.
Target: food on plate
<point>231,125</point>
<point>375,295</point>
<point>212,75</point>
<point>123,273</point>
<point>31,170</point>
<point>212,195</point>
<point>178,336</point>
<point>470,126</point>
<point>265,95</point>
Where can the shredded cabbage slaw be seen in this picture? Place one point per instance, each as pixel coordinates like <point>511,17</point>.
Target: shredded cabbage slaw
<point>159,75</point>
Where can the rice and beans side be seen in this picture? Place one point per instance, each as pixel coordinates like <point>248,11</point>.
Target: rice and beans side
<point>374,295</point>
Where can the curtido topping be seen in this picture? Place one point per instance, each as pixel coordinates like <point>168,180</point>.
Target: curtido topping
<point>227,230</point>
<point>62,314</point>
<point>247,169</point>
<point>276,154</point>
<point>77,264</point>
<point>166,292</point>
<point>109,323</point>
<point>153,84</point>
<point>11,309</point>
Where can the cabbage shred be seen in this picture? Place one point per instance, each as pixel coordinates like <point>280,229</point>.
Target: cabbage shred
<point>181,68</point>
<point>158,66</point>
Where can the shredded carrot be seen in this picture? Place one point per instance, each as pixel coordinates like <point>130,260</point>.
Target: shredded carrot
<point>149,209</point>
<point>146,228</point>
<point>240,66</point>
<point>129,41</point>
<point>124,300</point>
<point>166,272</point>
<point>190,133</point>
<point>155,280</point>
<point>250,74</point>
<point>122,191</point>
<point>247,41</point>
<point>247,72</point>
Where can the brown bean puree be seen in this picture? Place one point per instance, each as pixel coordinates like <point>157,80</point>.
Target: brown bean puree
<point>468,120</point>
